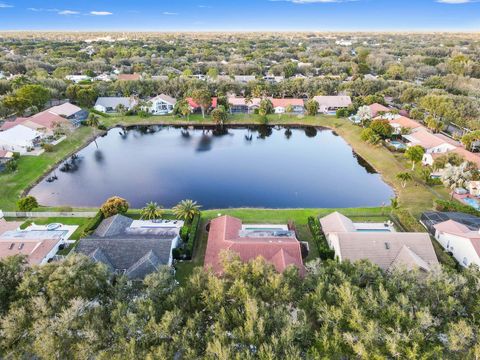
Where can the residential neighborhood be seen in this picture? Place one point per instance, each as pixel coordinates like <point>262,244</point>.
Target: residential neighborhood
<point>198,192</point>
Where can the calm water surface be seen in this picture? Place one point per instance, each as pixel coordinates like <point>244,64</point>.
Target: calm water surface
<point>265,167</point>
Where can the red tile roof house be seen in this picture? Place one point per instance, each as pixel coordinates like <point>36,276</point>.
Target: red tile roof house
<point>46,120</point>
<point>280,105</point>
<point>227,233</point>
<point>377,109</point>
<point>194,107</point>
<point>129,77</point>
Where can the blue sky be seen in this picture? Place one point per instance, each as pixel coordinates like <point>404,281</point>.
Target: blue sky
<point>188,15</point>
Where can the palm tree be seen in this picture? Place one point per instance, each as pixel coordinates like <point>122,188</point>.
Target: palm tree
<point>404,177</point>
<point>186,209</point>
<point>394,204</point>
<point>151,211</point>
<point>94,123</point>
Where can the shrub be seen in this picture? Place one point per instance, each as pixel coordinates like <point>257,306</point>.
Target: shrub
<point>320,240</point>
<point>47,147</point>
<point>11,165</point>
<point>101,127</point>
<point>407,221</point>
<point>192,236</point>
<point>185,232</point>
<point>113,206</point>
<point>342,113</point>
<point>27,203</point>
<point>445,205</point>
<point>93,224</point>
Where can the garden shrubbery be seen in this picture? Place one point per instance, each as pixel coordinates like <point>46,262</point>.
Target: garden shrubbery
<point>320,240</point>
<point>445,205</point>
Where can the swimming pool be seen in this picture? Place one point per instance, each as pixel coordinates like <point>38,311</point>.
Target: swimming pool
<point>472,202</point>
<point>398,145</point>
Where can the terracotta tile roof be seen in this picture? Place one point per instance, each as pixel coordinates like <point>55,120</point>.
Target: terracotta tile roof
<point>286,102</point>
<point>67,109</point>
<point>35,249</point>
<point>426,139</point>
<point>377,108</point>
<point>47,120</point>
<point>194,105</point>
<point>129,77</point>
<point>333,101</point>
<point>10,124</point>
<point>406,122</point>
<point>237,101</point>
<point>469,156</point>
<point>224,235</point>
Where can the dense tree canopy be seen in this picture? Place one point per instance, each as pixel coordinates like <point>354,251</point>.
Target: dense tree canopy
<point>73,310</point>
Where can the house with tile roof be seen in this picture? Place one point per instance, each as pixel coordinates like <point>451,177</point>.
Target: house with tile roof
<point>194,107</point>
<point>110,104</point>
<point>19,139</point>
<point>382,246</point>
<point>327,104</point>
<point>280,106</point>
<point>134,248</point>
<point>71,112</point>
<point>274,243</point>
<point>429,141</point>
<point>239,105</point>
<point>399,123</point>
<point>162,105</point>
<point>39,243</point>
<point>45,122</point>
<point>129,77</point>
<point>378,109</point>
<point>458,233</point>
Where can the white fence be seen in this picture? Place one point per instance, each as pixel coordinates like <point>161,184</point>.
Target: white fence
<point>47,214</point>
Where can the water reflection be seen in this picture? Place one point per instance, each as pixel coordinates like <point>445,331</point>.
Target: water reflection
<point>221,167</point>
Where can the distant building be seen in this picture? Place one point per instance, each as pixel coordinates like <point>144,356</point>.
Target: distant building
<point>281,106</point>
<point>162,105</point>
<point>275,243</point>
<point>379,243</point>
<point>133,248</point>
<point>239,105</point>
<point>244,78</point>
<point>78,78</point>
<point>194,107</point>
<point>129,77</point>
<point>328,104</point>
<point>110,104</point>
<point>377,109</point>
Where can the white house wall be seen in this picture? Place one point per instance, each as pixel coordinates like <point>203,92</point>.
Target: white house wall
<point>460,248</point>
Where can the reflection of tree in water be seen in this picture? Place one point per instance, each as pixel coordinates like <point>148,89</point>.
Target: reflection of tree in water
<point>220,131</point>
<point>145,130</point>
<point>123,133</point>
<point>185,134</point>
<point>288,133</point>
<point>71,165</point>
<point>99,158</point>
<point>363,163</point>
<point>310,131</point>
<point>205,143</point>
<point>264,131</point>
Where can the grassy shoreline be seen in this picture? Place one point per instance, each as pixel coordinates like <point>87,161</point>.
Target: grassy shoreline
<point>416,196</point>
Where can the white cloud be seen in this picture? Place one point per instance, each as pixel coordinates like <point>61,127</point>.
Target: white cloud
<point>5,6</point>
<point>68,12</point>
<point>100,13</point>
<point>169,13</point>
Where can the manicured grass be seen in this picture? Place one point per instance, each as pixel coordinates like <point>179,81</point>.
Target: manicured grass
<point>31,168</point>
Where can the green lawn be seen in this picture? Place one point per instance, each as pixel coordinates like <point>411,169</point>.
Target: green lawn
<point>81,222</point>
<point>32,168</point>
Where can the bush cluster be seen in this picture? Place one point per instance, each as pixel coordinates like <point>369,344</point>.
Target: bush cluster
<point>320,240</point>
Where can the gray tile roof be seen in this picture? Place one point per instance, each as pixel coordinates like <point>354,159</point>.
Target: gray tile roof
<point>114,225</point>
<point>127,254</point>
<point>136,252</point>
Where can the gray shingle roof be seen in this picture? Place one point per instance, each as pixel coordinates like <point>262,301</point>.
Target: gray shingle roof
<point>136,252</point>
<point>114,225</point>
<point>113,102</point>
<point>127,254</point>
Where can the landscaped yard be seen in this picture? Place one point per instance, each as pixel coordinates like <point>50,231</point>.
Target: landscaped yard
<point>277,216</point>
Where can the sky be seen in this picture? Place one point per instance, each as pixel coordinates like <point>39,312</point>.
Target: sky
<point>241,15</point>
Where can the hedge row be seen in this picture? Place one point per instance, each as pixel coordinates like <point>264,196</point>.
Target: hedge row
<point>93,223</point>
<point>188,233</point>
<point>445,205</point>
<point>320,240</point>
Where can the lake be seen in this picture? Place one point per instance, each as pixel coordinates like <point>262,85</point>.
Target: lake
<point>269,167</point>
